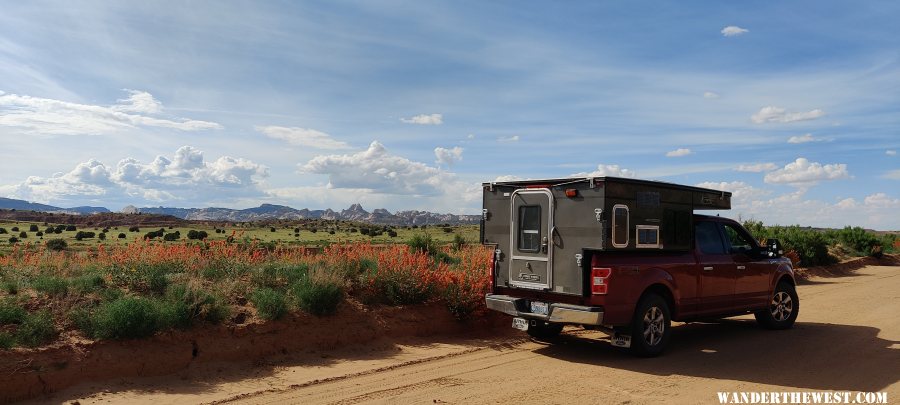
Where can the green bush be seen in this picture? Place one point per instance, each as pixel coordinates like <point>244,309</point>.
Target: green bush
<point>398,287</point>
<point>125,318</point>
<point>270,304</point>
<point>88,283</point>
<point>859,240</point>
<point>183,306</point>
<point>318,297</point>
<point>33,228</point>
<point>36,329</point>
<point>57,244</point>
<point>50,285</point>
<point>11,313</point>
<point>7,340</point>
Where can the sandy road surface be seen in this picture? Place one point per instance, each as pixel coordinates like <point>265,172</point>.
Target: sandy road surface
<point>846,338</point>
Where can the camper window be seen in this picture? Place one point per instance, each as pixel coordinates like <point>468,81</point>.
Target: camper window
<point>620,226</point>
<point>647,236</point>
<point>530,228</point>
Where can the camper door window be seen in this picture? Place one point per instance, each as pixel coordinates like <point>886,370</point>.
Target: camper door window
<point>530,228</point>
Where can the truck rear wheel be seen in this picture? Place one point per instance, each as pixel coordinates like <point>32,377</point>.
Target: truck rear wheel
<point>651,326</point>
<point>543,330</point>
<point>783,308</point>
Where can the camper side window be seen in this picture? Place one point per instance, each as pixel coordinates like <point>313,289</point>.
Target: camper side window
<point>620,226</point>
<point>530,228</point>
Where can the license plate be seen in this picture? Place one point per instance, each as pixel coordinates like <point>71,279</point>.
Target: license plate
<point>538,307</point>
<point>520,323</point>
<point>620,340</point>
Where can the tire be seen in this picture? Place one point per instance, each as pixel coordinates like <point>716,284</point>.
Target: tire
<point>651,326</point>
<point>783,308</point>
<point>544,331</point>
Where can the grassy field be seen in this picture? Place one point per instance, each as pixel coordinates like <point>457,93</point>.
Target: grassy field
<point>325,233</point>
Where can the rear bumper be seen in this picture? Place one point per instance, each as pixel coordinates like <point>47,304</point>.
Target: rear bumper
<point>557,312</point>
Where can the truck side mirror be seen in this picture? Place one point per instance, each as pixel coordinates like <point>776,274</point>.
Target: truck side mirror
<point>774,248</point>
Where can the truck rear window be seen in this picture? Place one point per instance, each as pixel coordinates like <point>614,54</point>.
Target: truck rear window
<point>530,228</point>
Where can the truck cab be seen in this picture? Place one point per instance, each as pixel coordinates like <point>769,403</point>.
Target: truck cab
<point>627,257</point>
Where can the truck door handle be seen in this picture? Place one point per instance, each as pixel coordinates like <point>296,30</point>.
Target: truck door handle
<point>742,267</point>
<point>707,268</point>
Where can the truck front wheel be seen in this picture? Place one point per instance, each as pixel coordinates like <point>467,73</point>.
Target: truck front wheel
<point>782,310</point>
<point>651,326</point>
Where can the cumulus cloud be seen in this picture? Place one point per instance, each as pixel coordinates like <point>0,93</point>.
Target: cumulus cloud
<point>514,138</point>
<point>678,152</point>
<point>184,177</point>
<point>302,137</point>
<point>733,30</point>
<point>780,115</point>
<point>54,117</point>
<point>757,168</point>
<point>709,94</point>
<point>892,175</point>
<point>607,170</point>
<point>890,152</point>
<point>380,171</point>
<point>803,173</point>
<point>877,211</point>
<point>448,157</point>
<point>508,177</point>
<point>424,119</point>
<point>802,139</point>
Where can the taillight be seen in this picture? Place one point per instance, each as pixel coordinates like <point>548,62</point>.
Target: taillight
<point>600,280</point>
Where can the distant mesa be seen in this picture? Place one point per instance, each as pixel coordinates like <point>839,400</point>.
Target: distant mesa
<point>262,213</point>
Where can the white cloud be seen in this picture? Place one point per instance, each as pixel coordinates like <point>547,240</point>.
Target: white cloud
<point>514,138</point>
<point>303,137</point>
<point>780,115</point>
<point>802,139</point>
<point>470,136</point>
<point>740,192</point>
<point>425,119</point>
<point>709,94</point>
<point>186,177</point>
<point>377,170</point>
<point>876,211</point>
<point>733,30</point>
<point>757,168</point>
<point>55,117</point>
<point>508,177</point>
<point>678,152</point>
<point>607,170</point>
<point>803,173</point>
<point>892,175</point>
<point>448,157</point>
<point>890,152</point>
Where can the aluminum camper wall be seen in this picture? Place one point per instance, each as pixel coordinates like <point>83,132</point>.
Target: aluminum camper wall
<point>585,214</point>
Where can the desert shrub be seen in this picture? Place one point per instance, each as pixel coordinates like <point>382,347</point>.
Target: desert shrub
<point>423,244</point>
<point>447,229</point>
<point>3,231</point>
<point>36,329</point>
<point>272,229</point>
<point>49,230</point>
<point>270,304</point>
<point>11,286</point>
<point>71,228</point>
<point>152,235</point>
<point>13,240</point>
<point>122,236</point>
<point>173,236</point>
<point>39,234</point>
<point>33,228</point>
<point>14,229</point>
<point>183,306</point>
<point>23,235</point>
<point>101,236</point>
<point>88,283</point>
<point>84,235</point>
<point>124,318</point>
<point>318,293</point>
<point>11,313</point>
<point>197,235</point>
<point>50,285</point>
<point>134,229</point>
<point>57,244</point>
<point>7,340</point>
<point>296,230</point>
<point>458,242</point>
<point>858,239</point>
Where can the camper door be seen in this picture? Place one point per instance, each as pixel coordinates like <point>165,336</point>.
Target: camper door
<point>531,250</point>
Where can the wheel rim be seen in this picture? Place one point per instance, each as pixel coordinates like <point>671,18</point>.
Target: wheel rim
<point>782,306</point>
<point>654,326</point>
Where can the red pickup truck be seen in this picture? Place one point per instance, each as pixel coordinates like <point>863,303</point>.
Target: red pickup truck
<point>627,257</point>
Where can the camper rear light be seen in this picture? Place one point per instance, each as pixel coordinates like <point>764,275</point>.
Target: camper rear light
<point>599,280</point>
<point>571,192</point>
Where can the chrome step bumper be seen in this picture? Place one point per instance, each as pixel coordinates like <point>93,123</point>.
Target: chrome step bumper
<point>557,312</point>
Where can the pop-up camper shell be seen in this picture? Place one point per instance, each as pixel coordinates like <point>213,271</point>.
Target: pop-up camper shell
<point>543,230</point>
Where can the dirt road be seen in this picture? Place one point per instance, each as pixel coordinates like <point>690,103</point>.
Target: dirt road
<point>846,338</point>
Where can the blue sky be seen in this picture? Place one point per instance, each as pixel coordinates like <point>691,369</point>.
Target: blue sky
<point>793,106</point>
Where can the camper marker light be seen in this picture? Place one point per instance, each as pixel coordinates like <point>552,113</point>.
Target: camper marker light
<point>571,192</point>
